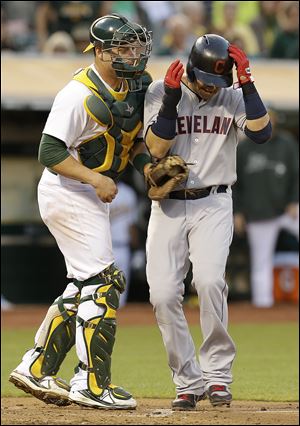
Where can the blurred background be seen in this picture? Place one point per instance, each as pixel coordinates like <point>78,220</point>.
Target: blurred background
<point>41,47</point>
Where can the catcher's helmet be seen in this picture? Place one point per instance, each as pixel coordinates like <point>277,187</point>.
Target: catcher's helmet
<point>210,62</point>
<point>116,32</point>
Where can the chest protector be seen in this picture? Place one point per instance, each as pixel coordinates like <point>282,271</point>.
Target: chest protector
<point>122,115</point>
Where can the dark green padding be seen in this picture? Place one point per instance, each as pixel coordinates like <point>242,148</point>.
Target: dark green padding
<point>61,341</point>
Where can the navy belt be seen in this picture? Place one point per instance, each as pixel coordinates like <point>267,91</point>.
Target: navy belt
<point>195,194</point>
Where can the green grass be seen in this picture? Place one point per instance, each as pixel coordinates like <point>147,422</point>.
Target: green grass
<point>265,368</point>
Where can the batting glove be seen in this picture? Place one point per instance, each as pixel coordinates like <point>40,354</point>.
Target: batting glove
<point>165,125</point>
<point>172,83</point>
<point>174,74</point>
<point>242,64</point>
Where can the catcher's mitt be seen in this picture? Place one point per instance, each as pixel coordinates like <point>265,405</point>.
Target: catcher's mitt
<point>165,175</point>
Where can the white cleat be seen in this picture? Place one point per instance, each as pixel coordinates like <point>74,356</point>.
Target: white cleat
<point>112,398</point>
<point>49,389</point>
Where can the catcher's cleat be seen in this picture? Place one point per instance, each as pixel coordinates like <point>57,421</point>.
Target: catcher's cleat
<point>49,389</point>
<point>112,398</point>
<point>219,395</point>
<point>186,401</point>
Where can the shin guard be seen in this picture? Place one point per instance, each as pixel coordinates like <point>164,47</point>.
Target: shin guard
<point>100,328</point>
<point>56,335</point>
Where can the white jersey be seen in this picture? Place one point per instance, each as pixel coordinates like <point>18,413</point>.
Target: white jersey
<point>68,120</point>
<point>207,132</point>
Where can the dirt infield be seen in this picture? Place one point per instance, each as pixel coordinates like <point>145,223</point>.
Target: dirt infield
<point>30,411</point>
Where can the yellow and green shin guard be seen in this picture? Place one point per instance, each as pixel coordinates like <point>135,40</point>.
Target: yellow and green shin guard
<point>56,337</point>
<point>100,329</point>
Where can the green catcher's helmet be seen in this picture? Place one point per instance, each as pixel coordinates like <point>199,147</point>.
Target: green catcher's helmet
<point>116,35</point>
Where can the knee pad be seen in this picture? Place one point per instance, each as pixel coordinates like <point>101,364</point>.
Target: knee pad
<point>99,332</point>
<point>110,275</point>
<point>56,338</point>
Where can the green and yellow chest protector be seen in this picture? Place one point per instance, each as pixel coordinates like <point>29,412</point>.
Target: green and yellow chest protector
<point>121,113</point>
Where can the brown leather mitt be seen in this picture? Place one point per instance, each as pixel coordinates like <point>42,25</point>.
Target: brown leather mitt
<point>165,175</point>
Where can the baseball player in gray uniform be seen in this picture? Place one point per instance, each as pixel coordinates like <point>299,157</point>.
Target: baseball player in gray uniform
<point>93,130</point>
<point>197,116</point>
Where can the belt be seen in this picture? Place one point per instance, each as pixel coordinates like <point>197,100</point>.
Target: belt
<point>195,194</point>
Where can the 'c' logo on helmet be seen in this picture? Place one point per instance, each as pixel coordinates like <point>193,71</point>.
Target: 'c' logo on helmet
<point>219,66</point>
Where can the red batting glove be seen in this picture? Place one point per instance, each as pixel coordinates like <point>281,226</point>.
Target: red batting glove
<point>242,64</point>
<point>174,74</point>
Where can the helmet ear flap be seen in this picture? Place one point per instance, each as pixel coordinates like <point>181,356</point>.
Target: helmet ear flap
<point>190,72</point>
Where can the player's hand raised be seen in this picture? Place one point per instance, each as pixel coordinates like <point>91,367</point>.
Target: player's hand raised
<point>174,74</point>
<point>172,83</point>
<point>242,64</point>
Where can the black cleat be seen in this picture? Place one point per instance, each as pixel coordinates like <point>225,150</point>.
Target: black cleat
<point>186,401</point>
<point>219,395</point>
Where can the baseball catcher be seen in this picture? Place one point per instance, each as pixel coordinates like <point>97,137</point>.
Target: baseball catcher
<point>165,175</point>
<point>94,129</point>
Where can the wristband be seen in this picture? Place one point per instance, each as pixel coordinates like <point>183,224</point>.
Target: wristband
<point>164,128</point>
<point>140,160</point>
<point>169,103</point>
<point>165,125</point>
<point>253,104</point>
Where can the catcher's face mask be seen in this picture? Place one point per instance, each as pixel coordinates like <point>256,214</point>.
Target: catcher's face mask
<point>128,48</point>
<point>128,59</point>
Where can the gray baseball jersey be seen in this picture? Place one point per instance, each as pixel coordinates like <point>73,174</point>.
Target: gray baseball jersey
<point>206,132</point>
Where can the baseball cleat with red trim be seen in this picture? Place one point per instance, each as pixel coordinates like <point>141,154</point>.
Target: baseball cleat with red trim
<point>219,395</point>
<point>186,401</point>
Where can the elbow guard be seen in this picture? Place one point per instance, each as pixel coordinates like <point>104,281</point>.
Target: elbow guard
<point>260,136</point>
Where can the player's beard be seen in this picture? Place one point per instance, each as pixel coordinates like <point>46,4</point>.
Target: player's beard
<point>205,92</point>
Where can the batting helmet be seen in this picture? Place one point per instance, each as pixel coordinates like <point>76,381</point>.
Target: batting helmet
<point>116,32</point>
<point>210,62</point>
